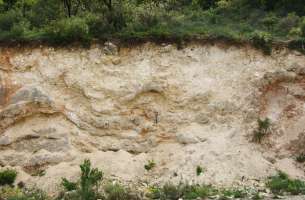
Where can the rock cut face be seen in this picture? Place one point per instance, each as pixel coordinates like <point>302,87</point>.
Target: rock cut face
<point>182,108</point>
<point>283,102</point>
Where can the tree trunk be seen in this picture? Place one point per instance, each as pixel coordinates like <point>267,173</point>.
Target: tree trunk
<point>67,5</point>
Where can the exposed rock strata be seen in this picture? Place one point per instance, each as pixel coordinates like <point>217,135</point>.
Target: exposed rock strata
<point>182,108</point>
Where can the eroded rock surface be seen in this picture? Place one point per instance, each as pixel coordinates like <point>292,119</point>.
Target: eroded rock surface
<point>120,108</point>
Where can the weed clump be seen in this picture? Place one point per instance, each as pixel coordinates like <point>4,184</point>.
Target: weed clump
<point>8,177</point>
<point>234,193</point>
<point>117,192</point>
<point>11,193</point>
<point>281,184</point>
<point>68,185</point>
<point>151,164</point>
<point>262,130</point>
<point>263,41</point>
<point>185,191</point>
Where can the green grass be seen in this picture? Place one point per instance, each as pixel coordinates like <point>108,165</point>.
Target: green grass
<point>185,191</point>
<point>117,192</point>
<point>234,193</point>
<point>281,184</point>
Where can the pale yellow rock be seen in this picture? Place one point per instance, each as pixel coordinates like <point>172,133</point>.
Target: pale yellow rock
<point>181,108</point>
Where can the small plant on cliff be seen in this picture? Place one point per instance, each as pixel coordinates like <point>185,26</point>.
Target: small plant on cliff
<point>234,193</point>
<point>262,130</point>
<point>115,191</point>
<point>184,191</point>
<point>10,193</point>
<point>151,164</point>
<point>87,186</point>
<point>281,183</point>
<point>68,185</point>
<point>199,170</point>
<point>300,158</point>
<point>262,40</point>
<point>8,177</point>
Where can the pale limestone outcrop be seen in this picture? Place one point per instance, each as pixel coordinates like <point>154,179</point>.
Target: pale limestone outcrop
<point>123,107</point>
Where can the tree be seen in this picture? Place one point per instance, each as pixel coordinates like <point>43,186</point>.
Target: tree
<point>71,7</point>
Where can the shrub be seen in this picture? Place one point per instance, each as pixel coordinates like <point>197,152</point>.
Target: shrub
<point>8,19</point>
<point>7,177</point>
<point>98,26</point>
<point>298,44</point>
<point>287,23</point>
<point>68,30</point>
<point>262,130</point>
<point>281,183</point>
<point>269,21</point>
<point>151,164</point>
<point>295,32</point>
<point>19,29</point>
<point>88,183</point>
<point>262,40</point>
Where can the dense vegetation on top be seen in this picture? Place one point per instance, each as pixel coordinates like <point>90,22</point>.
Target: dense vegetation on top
<point>66,21</point>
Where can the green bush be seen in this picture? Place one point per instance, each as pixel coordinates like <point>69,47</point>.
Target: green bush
<point>286,24</point>
<point>98,26</point>
<point>88,183</point>
<point>19,30</point>
<point>8,19</point>
<point>270,21</point>
<point>281,183</point>
<point>68,30</point>
<point>262,40</point>
<point>8,176</point>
